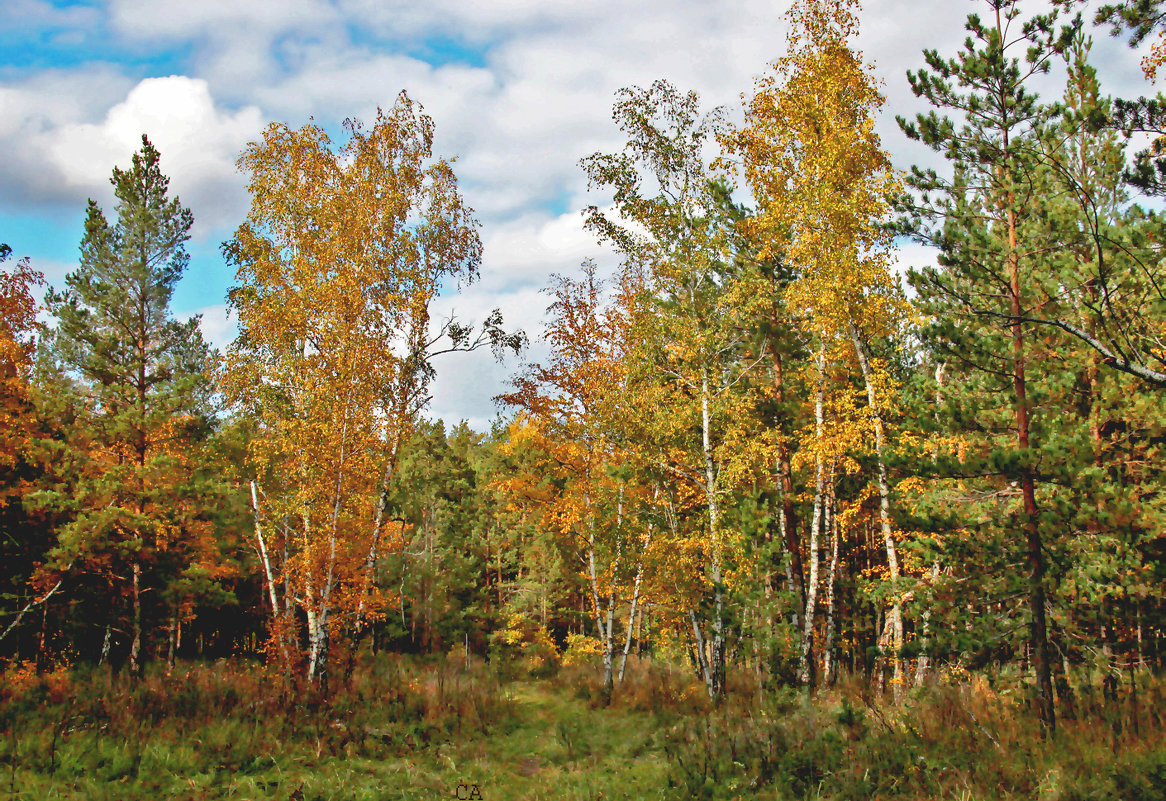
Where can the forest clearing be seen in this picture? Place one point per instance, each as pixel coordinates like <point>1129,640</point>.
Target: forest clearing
<point>409,729</point>
<point>764,513</point>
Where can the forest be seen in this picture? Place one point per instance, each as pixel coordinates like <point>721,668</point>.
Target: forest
<point>776,516</point>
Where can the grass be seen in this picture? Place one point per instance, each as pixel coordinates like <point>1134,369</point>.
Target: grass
<point>409,729</point>
<point>403,730</point>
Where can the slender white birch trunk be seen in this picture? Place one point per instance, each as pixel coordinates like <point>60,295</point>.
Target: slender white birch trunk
<point>717,655</point>
<point>805,665</point>
<point>829,669</point>
<point>277,628</point>
<point>604,614</point>
<point>271,594</point>
<point>702,661</point>
<point>378,522</point>
<point>895,618</point>
<point>627,644</point>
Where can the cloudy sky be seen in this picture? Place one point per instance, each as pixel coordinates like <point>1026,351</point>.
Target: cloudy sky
<point>520,90</point>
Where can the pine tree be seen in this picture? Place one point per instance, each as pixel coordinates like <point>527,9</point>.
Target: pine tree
<point>139,388</point>
<point>977,219</point>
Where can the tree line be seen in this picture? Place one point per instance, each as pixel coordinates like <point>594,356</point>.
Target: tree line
<point>750,449</point>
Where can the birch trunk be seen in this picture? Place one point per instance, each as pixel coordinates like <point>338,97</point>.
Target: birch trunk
<point>604,616</point>
<point>717,654</point>
<point>787,514</point>
<point>922,664</point>
<point>806,663</point>
<point>627,644</point>
<point>378,522</point>
<point>829,669</point>
<point>36,602</point>
<point>276,626</point>
<point>702,662</point>
<point>895,618</point>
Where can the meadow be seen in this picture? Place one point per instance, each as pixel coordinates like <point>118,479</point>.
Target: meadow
<point>410,728</point>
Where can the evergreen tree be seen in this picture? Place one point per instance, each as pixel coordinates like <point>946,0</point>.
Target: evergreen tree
<point>984,284</point>
<point>135,381</point>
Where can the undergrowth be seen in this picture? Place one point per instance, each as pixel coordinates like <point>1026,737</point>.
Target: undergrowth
<point>411,728</point>
<point>966,741</point>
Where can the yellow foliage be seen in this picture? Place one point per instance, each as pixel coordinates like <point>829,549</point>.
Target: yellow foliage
<point>581,649</point>
<point>339,258</point>
<point>530,640</point>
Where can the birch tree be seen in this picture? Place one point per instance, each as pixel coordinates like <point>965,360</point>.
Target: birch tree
<point>579,405</point>
<point>669,221</point>
<point>341,255</point>
<point>823,186</point>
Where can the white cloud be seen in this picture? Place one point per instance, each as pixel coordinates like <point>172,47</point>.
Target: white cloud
<point>183,20</point>
<point>218,328</point>
<point>30,15</point>
<point>468,382</point>
<point>532,96</point>
<point>198,142</point>
<point>59,157</point>
<point>35,110</point>
<point>524,251</point>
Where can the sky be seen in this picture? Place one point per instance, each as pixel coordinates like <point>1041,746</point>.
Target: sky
<point>519,91</point>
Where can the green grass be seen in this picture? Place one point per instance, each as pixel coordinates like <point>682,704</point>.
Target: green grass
<point>407,729</point>
<point>536,740</point>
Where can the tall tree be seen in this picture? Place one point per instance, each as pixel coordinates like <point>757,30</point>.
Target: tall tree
<point>341,255</point>
<point>977,219</point>
<point>581,406</point>
<point>1124,314</point>
<point>140,382</point>
<point>823,187</point>
<point>670,222</point>
<point>18,329</point>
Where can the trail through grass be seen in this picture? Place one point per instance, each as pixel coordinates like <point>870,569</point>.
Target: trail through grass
<point>546,745</point>
<point>403,729</point>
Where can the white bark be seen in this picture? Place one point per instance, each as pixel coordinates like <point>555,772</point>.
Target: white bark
<point>921,665</point>
<point>37,602</point>
<point>807,656</point>
<point>701,658</point>
<point>627,645</point>
<point>717,655</point>
<point>828,668</point>
<point>895,617</point>
<point>271,594</point>
<point>604,616</point>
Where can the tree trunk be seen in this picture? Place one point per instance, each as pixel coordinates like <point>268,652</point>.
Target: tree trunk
<point>806,664</point>
<point>1036,589</point>
<point>895,618</point>
<point>787,515</point>
<point>627,644</point>
<point>921,665</point>
<point>702,662</point>
<point>277,628</point>
<point>171,641</point>
<point>604,618</point>
<point>135,664</point>
<point>829,670</point>
<point>104,645</point>
<point>717,655</point>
